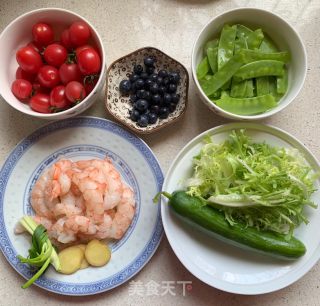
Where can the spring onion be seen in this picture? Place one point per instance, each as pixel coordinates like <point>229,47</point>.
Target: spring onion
<point>41,253</point>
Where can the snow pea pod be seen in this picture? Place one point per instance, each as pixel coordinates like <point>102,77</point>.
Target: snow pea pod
<point>212,58</point>
<point>203,68</point>
<point>262,85</point>
<point>259,68</point>
<point>256,55</point>
<point>282,83</point>
<point>223,75</point>
<point>238,90</point>
<point>240,43</point>
<point>249,89</point>
<point>226,45</point>
<point>255,39</point>
<point>211,44</point>
<point>273,88</point>
<point>247,106</point>
<point>243,31</point>
<point>215,95</point>
<point>268,46</point>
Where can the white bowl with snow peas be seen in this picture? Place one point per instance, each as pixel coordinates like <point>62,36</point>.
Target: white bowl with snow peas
<point>283,35</point>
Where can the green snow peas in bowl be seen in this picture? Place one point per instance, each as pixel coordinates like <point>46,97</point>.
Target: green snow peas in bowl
<point>248,64</point>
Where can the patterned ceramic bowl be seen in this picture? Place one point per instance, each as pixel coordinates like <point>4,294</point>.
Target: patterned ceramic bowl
<point>119,105</point>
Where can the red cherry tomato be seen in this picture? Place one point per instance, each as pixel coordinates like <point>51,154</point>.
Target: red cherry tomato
<point>48,76</point>
<point>69,72</point>
<point>40,103</point>
<point>37,88</point>
<point>35,46</point>
<point>75,92</point>
<point>79,49</point>
<point>29,60</point>
<point>58,99</point>
<point>65,39</point>
<point>22,89</point>
<point>21,74</point>
<point>55,55</point>
<point>42,34</point>
<point>89,84</point>
<point>89,61</point>
<point>79,33</point>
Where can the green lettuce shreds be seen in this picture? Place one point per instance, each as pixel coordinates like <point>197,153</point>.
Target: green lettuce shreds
<point>254,184</point>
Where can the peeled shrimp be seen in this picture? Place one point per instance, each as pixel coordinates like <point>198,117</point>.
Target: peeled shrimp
<point>61,233</point>
<point>83,200</point>
<point>40,200</point>
<point>115,226</point>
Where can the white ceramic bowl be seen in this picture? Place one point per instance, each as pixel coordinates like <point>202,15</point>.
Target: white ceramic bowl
<point>18,33</point>
<point>280,31</point>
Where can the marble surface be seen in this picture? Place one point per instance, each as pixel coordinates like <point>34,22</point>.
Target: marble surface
<point>172,26</point>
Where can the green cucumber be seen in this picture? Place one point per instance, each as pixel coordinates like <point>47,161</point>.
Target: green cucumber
<point>197,210</point>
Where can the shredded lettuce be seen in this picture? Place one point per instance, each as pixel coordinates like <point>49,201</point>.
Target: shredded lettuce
<point>256,184</point>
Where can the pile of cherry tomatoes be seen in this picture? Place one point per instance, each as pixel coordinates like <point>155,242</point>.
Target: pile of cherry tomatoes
<point>55,75</point>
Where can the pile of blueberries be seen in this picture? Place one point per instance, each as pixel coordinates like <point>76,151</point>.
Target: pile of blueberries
<point>152,94</point>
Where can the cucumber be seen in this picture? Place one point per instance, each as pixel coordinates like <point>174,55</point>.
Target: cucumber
<point>197,210</point>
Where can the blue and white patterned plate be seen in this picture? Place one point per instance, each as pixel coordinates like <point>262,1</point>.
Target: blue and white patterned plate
<point>83,138</point>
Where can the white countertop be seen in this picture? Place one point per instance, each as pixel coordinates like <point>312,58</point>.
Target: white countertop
<point>171,25</point>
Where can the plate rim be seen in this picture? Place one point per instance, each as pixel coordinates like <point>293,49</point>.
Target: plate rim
<point>189,265</point>
<point>151,245</point>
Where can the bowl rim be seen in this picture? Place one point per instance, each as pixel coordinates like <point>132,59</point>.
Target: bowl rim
<point>212,106</point>
<point>100,79</point>
<point>156,128</point>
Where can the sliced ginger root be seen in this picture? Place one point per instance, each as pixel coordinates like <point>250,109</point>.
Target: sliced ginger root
<point>97,253</point>
<point>84,263</point>
<point>70,259</point>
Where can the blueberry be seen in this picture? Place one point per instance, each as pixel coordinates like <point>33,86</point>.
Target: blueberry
<point>142,105</point>
<point>143,120</point>
<point>156,99</point>
<point>144,75</point>
<point>153,77</point>
<point>133,87</point>
<point>149,61</point>
<point>133,98</point>
<point>162,90</point>
<point>138,69</point>
<point>154,108</point>
<point>139,84</point>
<point>163,73</point>
<point>147,112</point>
<point>175,98</point>
<point>148,95</point>
<point>147,83</point>
<point>150,69</point>
<point>166,81</point>
<point>133,77</point>
<point>134,115</point>
<point>159,80</point>
<point>125,86</point>
<point>172,88</point>
<point>167,98</point>
<point>172,107</point>
<point>174,77</point>
<point>154,88</point>
<point>152,118</point>
<point>164,112</point>
<point>141,94</point>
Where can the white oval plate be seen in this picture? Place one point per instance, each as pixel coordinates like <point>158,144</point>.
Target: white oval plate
<point>83,138</point>
<point>228,267</point>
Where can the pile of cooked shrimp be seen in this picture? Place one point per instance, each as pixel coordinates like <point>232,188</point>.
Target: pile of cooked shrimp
<point>83,200</point>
